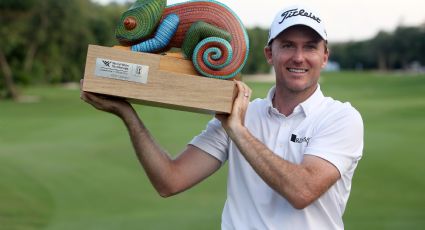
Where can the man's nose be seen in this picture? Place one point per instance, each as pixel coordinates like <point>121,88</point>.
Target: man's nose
<point>298,55</point>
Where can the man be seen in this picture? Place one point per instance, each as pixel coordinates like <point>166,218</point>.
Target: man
<point>291,155</point>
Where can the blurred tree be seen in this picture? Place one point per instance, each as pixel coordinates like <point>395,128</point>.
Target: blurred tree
<point>386,51</point>
<point>408,44</point>
<point>13,15</point>
<point>72,25</point>
<point>381,47</point>
<point>256,62</point>
<point>46,41</point>
<point>9,85</point>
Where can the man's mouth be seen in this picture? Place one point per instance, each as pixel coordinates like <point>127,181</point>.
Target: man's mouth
<point>297,70</point>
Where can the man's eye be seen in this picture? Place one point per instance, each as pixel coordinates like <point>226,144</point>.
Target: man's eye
<point>287,46</point>
<point>310,47</point>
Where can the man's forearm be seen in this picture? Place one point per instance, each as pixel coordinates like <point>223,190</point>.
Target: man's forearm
<point>292,181</point>
<point>155,161</point>
<point>168,176</point>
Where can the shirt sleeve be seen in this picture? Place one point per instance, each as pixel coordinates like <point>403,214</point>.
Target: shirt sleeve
<point>213,140</point>
<point>339,140</point>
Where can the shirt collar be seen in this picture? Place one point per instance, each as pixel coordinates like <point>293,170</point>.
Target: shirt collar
<point>270,109</point>
<point>307,106</point>
<point>313,101</point>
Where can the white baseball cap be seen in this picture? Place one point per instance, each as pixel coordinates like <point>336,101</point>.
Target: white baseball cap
<point>296,15</point>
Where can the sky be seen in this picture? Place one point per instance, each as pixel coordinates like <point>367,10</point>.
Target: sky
<point>345,20</point>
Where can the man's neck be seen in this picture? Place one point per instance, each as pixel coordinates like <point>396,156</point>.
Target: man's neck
<point>285,101</point>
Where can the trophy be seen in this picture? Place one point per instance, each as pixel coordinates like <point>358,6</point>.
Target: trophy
<point>183,56</point>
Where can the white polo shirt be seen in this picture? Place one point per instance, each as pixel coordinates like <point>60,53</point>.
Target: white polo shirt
<point>319,126</point>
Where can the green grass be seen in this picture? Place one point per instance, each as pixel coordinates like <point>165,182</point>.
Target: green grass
<point>64,165</point>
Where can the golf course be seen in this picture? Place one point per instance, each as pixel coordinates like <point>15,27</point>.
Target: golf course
<point>66,166</point>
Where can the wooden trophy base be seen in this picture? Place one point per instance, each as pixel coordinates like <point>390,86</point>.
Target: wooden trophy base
<point>159,80</point>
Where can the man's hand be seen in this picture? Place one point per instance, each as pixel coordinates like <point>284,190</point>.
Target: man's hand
<point>235,121</point>
<point>105,103</point>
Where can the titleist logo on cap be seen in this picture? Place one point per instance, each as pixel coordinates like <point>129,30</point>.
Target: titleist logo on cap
<point>296,12</point>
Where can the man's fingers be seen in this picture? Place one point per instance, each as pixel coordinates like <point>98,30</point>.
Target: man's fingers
<point>244,90</point>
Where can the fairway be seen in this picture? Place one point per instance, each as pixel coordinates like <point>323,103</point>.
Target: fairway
<point>64,165</point>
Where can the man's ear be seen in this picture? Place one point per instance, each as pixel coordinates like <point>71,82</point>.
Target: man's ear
<point>325,57</point>
<point>268,54</point>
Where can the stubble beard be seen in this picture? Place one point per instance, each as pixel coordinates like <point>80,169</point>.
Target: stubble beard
<point>294,88</point>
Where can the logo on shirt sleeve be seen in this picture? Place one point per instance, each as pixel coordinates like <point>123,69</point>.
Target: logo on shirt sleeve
<point>300,140</point>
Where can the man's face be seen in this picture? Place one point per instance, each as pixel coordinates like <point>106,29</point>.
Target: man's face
<point>297,55</point>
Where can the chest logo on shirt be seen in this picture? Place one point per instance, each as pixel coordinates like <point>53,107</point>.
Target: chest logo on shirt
<point>300,140</point>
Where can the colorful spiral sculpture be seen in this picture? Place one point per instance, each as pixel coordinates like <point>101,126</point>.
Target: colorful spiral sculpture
<point>208,33</point>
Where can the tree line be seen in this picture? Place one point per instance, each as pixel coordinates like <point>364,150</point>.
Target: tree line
<point>45,42</point>
<point>401,49</point>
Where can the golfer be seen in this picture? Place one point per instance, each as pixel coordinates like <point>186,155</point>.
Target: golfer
<point>291,155</point>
